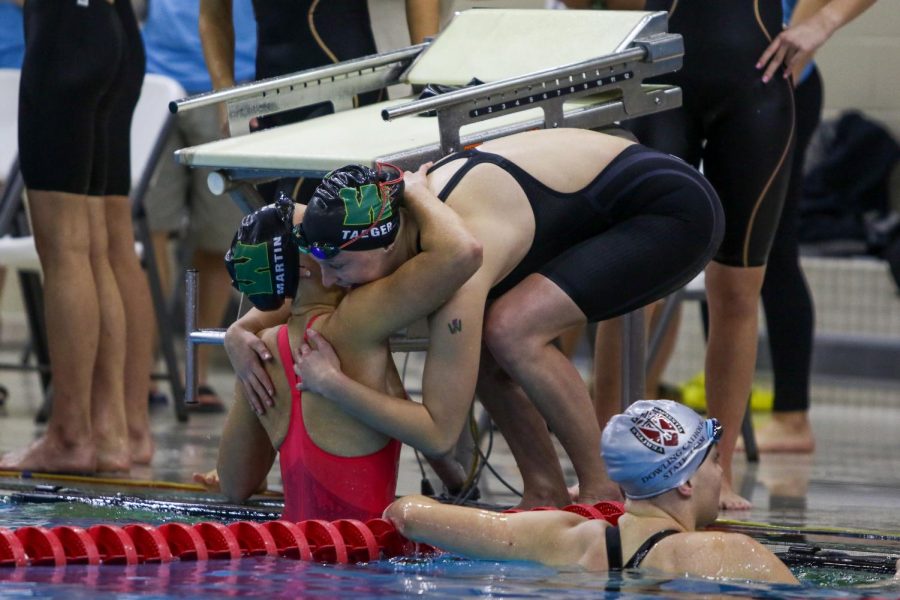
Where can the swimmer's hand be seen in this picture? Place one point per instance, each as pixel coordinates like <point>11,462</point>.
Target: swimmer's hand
<point>209,480</point>
<point>247,354</point>
<point>794,47</point>
<point>316,364</point>
<point>415,185</point>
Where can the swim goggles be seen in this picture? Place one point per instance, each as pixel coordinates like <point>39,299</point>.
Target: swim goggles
<point>713,430</point>
<point>327,250</point>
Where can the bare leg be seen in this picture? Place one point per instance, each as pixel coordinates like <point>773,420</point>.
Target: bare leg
<point>733,294</point>
<point>108,419</point>
<point>519,330</point>
<point>788,431</point>
<point>526,434</point>
<point>62,236</point>
<point>568,340</point>
<point>140,325</point>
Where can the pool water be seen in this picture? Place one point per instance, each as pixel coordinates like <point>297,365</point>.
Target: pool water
<point>441,577</point>
<point>436,577</point>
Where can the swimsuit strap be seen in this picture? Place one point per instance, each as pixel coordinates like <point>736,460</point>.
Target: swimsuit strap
<point>647,546</point>
<point>613,547</point>
<point>284,348</point>
<point>469,154</point>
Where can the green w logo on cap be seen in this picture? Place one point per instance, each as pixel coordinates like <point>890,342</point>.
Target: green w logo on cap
<point>251,268</point>
<point>363,206</point>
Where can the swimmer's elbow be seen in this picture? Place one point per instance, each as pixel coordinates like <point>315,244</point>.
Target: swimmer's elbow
<point>236,492</point>
<point>438,446</point>
<point>405,513</point>
<point>471,255</point>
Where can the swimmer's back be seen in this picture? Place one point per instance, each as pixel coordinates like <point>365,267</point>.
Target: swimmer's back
<point>565,160</point>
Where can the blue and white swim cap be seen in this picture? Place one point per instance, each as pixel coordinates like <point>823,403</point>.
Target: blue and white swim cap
<point>655,446</point>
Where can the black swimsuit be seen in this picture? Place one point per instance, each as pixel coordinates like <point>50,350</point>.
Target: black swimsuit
<point>644,227</point>
<point>614,548</point>
<point>81,78</point>
<point>739,127</point>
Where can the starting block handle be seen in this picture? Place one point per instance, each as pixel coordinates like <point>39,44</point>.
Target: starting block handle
<point>298,79</point>
<point>477,92</point>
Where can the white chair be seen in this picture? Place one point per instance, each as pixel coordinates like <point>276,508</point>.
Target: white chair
<point>150,127</point>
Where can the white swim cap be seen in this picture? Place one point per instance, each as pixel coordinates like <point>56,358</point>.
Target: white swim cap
<point>655,446</point>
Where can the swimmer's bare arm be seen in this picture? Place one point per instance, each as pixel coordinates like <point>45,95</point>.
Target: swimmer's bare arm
<point>812,24</point>
<point>245,452</point>
<point>721,555</point>
<point>248,354</point>
<point>449,256</point>
<point>216,25</point>
<point>422,19</point>
<point>448,381</point>
<point>554,538</point>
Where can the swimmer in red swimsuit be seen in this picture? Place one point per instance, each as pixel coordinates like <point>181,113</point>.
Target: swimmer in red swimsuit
<point>333,464</point>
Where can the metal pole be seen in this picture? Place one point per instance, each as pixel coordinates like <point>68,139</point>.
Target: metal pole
<point>190,324</point>
<point>486,89</point>
<point>633,357</point>
<point>274,83</point>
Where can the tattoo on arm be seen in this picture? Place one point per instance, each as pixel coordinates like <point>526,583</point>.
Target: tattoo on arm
<point>455,326</point>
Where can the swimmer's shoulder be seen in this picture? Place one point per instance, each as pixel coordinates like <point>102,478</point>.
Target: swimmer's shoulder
<point>711,554</point>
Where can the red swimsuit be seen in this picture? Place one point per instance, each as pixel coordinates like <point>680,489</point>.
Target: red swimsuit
<point>320,485</point>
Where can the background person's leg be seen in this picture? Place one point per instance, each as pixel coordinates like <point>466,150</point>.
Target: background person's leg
<point>110,429</point>
<point>62,235</point>
<point>733,295</point>
<point>788,303</point>
<point>140,324</point>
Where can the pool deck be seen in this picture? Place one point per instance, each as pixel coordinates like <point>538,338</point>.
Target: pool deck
<point>851,482</point>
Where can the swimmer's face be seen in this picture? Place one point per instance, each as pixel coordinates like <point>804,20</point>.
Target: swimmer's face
<point>707,483</point>
<point>349,269</point>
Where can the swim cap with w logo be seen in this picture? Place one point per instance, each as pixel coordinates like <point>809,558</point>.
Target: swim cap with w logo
<point>354,208</point>
<point>263,260</point>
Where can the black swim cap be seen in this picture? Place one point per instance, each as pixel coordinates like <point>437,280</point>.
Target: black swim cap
<point>354,208</point>
<point>263,261</point>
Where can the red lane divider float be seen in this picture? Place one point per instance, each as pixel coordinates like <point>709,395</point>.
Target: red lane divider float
<point>78,545</point>
<point>254,539</point>
<point>220,541</point>
<point>41,546</point>
<point>115,545</point>
<point>325,541</point>
<point>12,553</point>
<point>290,541</point>
<point>184,541</point>
<point>149,543</point>
<point>343,541</point>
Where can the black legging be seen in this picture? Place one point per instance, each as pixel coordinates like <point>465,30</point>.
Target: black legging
<point>739,127</point>
<point>786,298</point>
<point>81,78</point>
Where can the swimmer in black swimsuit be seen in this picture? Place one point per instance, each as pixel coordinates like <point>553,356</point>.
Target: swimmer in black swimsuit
<point>575,226</point>
<point>664,456</point>
<point>81,78</point>
<point>741,129</point>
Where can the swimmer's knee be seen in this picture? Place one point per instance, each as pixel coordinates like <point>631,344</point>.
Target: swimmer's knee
<point>502,335</point>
